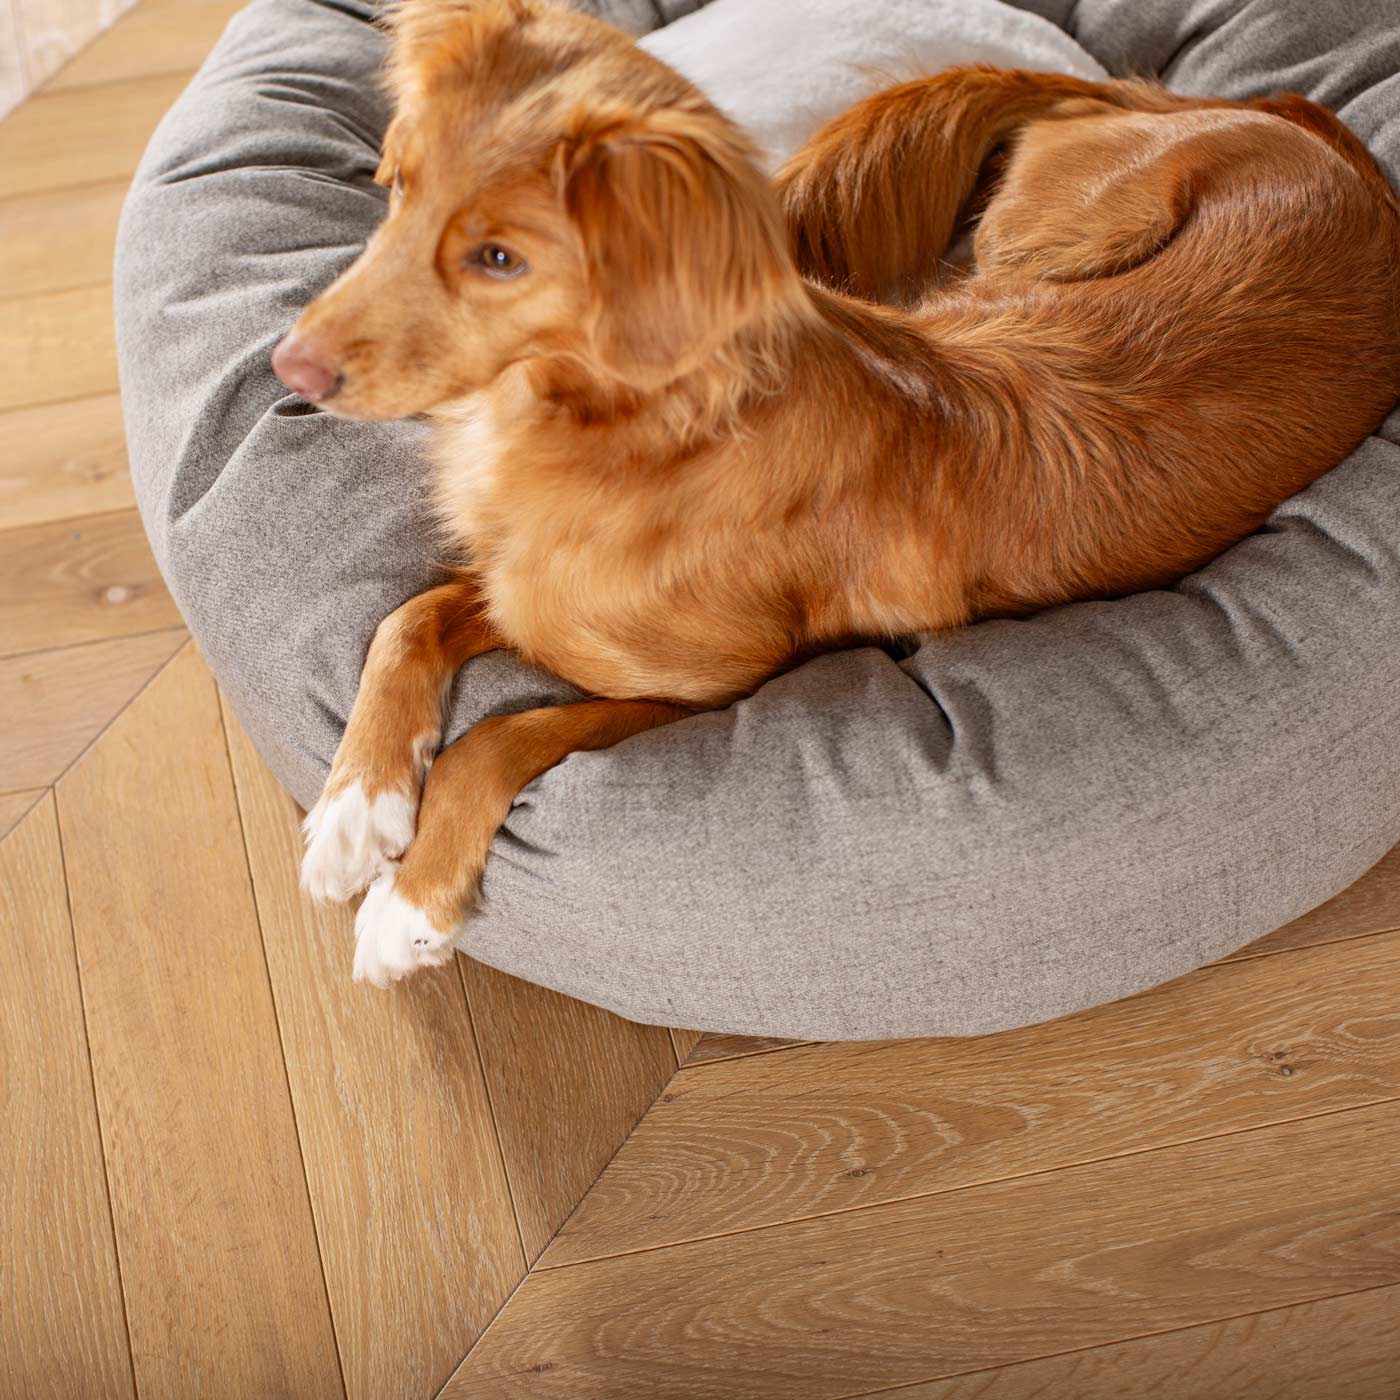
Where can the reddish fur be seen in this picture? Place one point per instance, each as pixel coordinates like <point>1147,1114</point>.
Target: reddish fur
<point>716,453</point>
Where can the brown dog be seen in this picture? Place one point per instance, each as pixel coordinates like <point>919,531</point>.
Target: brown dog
<point>682,446</point>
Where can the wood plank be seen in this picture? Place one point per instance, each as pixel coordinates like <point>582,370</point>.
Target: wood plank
<point>62,1331</point>
<point>223,1285</point>
<point>55,703</point>
<point>410,1198</point>
<point>14,805</point>
<point>59,239</point>
<point>69,582</point>
<point>83,137</point>
<point>711,1047</point>
<point>1371,905</point>
<point>56,345</point>
<point>156,37</point>
<point>52,31</point>
<point>63,461</point>
<point>1345,1348</point>
<point>568,1083</point>
<point>752,1142</point>
<point>964,1280</point>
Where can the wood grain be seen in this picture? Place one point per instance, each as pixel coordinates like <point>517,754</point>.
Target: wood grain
<point>63,461</point>
<point>62,1332</point>
<point>223,1285</point>
<point>158,36</point>
<point>411,1202</point>
<point>83,137</point>
<point>56,345</point>
<point>1371,905</point>
<point>79,581</point>
<point>58,240</point>
<point>56,702</point>
<point>751,1142</point>
<point>568,1083</point>
<point>14,805</point>
<point>964,1280</point>
<point>1345,1348</point>
<point>711,1047</point>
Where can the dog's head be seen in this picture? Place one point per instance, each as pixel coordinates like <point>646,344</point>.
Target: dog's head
<point>556,193</point>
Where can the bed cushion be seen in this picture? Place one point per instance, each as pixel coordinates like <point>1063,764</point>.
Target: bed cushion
<point>1015,821</point>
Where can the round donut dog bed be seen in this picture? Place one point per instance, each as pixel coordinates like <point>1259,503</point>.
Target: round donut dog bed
<point>1012,822</point>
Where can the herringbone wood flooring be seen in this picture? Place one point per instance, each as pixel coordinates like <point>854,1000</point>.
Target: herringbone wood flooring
<point>224,1170</point>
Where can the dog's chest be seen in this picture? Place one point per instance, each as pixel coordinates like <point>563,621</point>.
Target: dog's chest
<point>467,445</point>
<point>535,527</point>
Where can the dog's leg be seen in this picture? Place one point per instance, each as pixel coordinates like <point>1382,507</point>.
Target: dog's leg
<point>874,198</point>
<point>1089,199</point>
<point>412,912</point>
<point>365,817</point>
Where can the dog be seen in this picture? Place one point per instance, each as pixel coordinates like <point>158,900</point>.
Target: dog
<point>691,425</point>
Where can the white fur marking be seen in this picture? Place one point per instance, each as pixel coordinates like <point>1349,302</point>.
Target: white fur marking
<point>394,937</point>
<point>351,840</point>
<point>467,449</point>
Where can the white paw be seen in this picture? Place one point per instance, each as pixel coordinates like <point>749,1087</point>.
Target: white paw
<point>352,840</point>
<point>394,937</point>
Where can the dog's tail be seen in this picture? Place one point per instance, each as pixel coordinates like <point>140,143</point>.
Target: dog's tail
<point>859,222</point>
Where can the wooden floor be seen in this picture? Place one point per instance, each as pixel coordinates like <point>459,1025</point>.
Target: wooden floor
<point>227,1171</point>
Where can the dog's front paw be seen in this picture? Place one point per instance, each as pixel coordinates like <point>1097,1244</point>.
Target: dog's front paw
<point>351,840</point>
<point>394,937</point>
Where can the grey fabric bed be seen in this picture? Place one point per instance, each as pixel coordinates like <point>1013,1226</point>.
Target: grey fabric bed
<point>1016,821</point>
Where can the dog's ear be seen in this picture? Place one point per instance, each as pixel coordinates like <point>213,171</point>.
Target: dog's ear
<point>682,237</point>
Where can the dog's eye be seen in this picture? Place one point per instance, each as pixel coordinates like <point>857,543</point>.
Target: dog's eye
<point>496,261</point>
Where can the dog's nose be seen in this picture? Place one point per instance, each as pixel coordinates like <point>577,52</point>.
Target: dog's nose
<point>303,371</point>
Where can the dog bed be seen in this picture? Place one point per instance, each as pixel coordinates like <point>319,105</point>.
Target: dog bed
<point>1011,822</point>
